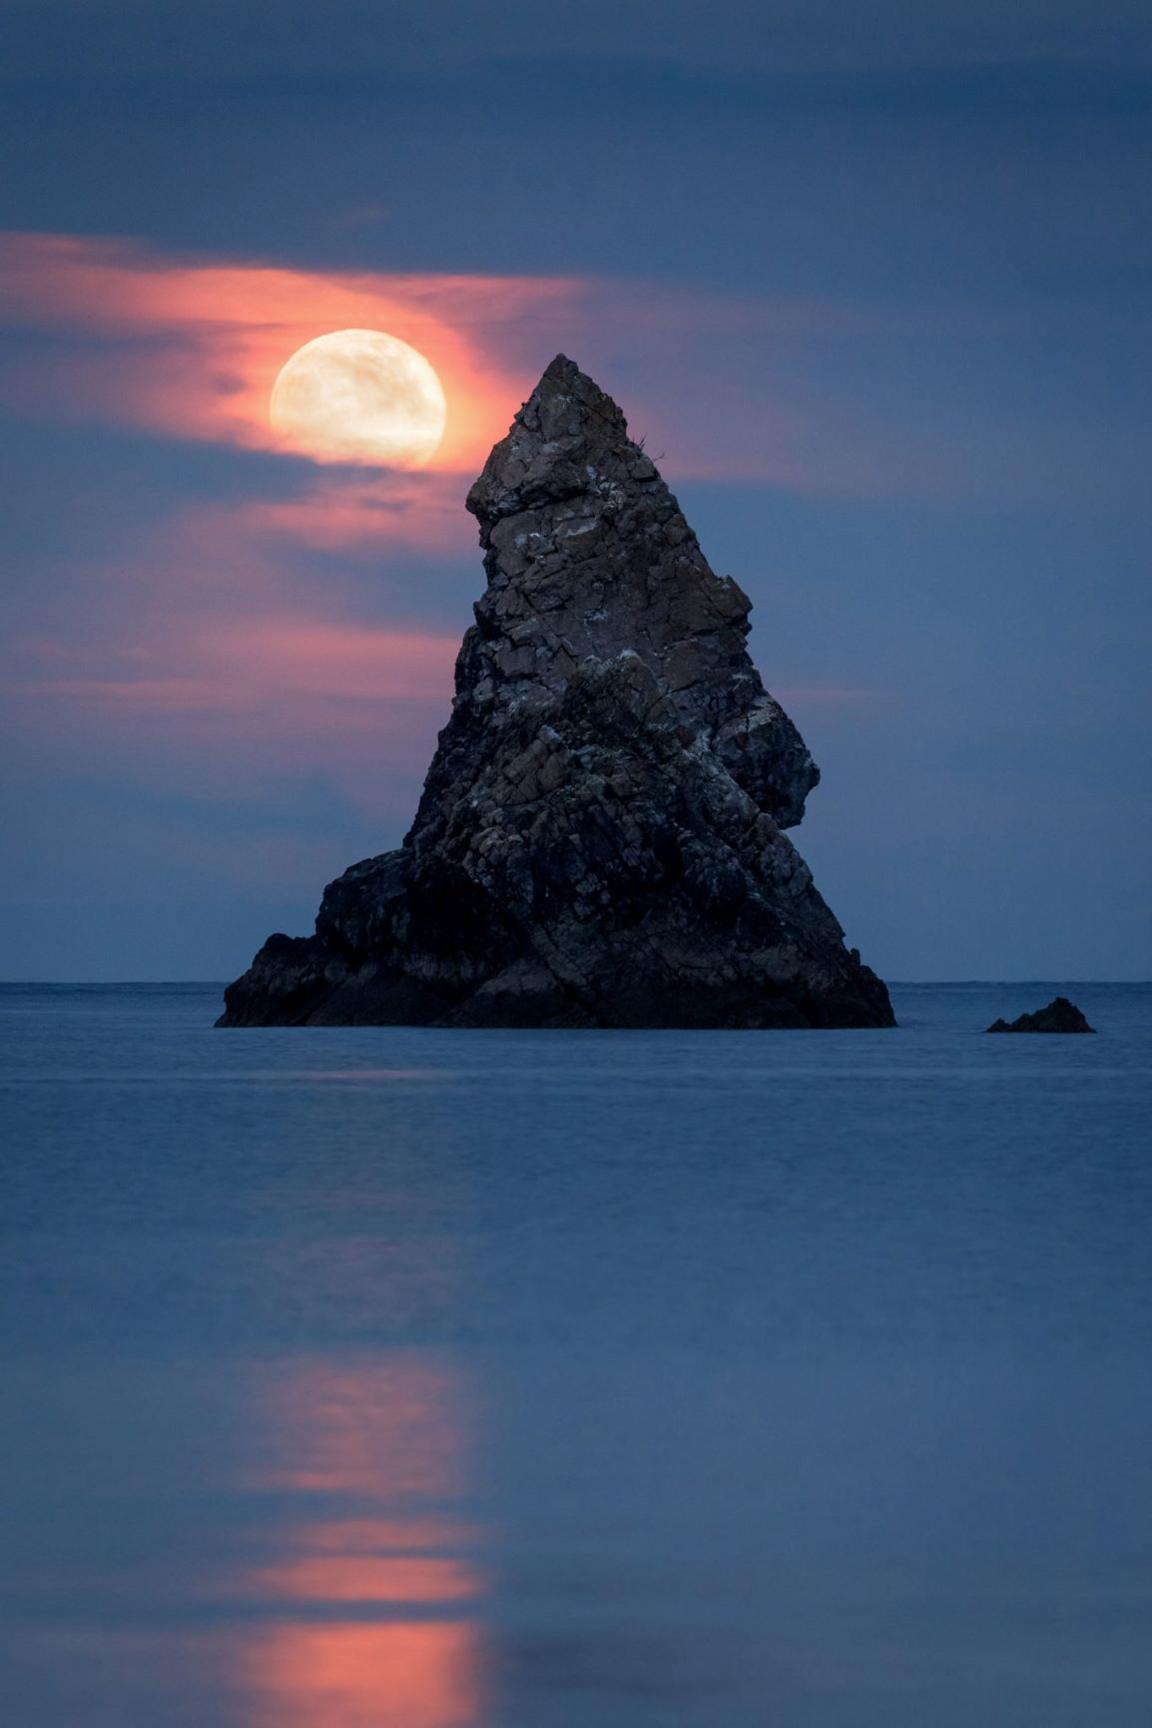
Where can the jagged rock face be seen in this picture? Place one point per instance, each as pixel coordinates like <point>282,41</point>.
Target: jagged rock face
<point>599,842</point>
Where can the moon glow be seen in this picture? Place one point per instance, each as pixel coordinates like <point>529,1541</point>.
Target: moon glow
<point>359,396</point>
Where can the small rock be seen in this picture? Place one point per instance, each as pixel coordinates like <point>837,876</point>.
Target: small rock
<point>1059,1016</point>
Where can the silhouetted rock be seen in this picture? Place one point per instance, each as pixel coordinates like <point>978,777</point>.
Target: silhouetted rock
<point>599,841</point>
<point>1059,1016</point>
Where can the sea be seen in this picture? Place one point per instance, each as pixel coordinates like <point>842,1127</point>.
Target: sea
<point>396,1378</point>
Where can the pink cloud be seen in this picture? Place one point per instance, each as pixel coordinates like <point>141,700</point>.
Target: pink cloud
<point>208,657</point>
<point>192,348</point>
<point>356,514</point>
<point>240,667</point>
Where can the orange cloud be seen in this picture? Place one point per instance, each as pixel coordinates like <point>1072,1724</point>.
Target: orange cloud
<point>192,348</point>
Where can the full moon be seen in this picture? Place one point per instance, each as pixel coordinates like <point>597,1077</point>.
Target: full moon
<point>360,396</point>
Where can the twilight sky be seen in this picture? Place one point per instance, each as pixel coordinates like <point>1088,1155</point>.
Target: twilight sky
<point>875,285</point>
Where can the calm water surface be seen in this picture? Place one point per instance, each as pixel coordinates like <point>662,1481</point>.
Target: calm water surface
<point>416,1379</point>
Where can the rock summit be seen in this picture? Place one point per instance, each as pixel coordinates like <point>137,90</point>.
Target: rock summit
<point>600,841</point>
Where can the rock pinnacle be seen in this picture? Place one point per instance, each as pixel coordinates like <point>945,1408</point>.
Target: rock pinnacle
<point>600,838</point>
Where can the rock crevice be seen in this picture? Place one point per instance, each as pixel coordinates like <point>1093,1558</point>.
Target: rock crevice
<point>600,840</point>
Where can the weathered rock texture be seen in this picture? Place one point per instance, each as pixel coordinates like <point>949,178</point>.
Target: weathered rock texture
<point>599,842</point>
<point>1059,1016</point>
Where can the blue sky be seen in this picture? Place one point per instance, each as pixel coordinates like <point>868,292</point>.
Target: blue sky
<point>876,282</point>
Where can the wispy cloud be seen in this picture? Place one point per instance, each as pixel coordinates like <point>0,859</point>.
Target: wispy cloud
<point>191,348</point>
<point>354,515</point>
<point>232,668</point>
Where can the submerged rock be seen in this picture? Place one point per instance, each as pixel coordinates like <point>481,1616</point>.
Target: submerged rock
<point>600,838</point>
<point>1059,1016</point>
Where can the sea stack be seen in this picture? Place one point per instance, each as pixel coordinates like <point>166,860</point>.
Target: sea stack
<point>600,841</point>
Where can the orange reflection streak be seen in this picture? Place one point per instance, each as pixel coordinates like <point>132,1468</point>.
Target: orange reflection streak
<point>224,331</point>
<point>388,1431</point>
<point>350,1676</point>
<point>396,1647</point>
<point>367,1578</point>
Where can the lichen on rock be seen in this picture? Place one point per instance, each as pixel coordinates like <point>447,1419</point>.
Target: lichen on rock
<point>600,840</point>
